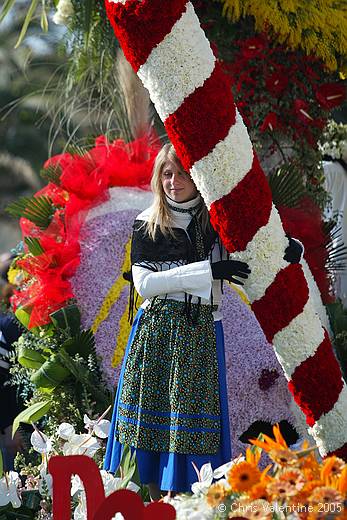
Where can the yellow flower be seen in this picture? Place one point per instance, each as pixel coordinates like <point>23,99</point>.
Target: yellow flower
<point>216,494</point>
<point>243,476</point>
<point>317,26</point>
<point>246,509</point>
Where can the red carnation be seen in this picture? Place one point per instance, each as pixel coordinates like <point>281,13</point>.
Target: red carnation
<point>270,122</point>
<point>276,84</point>
<point>331,95</point>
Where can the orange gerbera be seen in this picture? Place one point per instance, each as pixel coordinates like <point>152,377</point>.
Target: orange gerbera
<point>327,496</point>
<point>281,489</point>
<point>243,476</point>
<point>294,477</point>
<point>342,482</point>
<point>216,494</point>
<point>332,467</point>
<point>258,491</point>
<point>283,457</point>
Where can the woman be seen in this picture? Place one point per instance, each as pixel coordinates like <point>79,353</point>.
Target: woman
<point>171,402</point>
<point>10,405</point>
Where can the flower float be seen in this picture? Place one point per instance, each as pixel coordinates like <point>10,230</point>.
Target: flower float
<point>174,60</point>
<point>294,485</point>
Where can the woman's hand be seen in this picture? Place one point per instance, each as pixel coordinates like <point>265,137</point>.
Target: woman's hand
<point>294,251</point>
<point>228,269</point>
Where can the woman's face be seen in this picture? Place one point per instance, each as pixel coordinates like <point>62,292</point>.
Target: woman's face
<point>177,184</point>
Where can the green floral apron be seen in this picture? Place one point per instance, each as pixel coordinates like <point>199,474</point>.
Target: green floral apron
<point>169,401</point>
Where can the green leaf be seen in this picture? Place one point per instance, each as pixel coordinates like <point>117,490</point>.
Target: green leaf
<point>6,8</point>
<point>67,318</point>
<point>31,499</point>
<point>31,414</point>
<point>23,317</point>
<point>128,467</point>
<point>28,18</point>
<point>38,210</point>
<point>30,358</point>
<point>44,19</point>
<point>34,246</point>
<point>82,344</point>
<point>51,374</point>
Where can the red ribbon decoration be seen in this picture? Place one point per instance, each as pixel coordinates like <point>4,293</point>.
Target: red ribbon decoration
<point>126,502</point>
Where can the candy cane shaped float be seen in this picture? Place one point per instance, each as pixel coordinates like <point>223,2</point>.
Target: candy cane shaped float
<point>163,41</point>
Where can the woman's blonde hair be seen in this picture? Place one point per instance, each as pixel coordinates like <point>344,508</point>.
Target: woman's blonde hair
<point>160,213</point>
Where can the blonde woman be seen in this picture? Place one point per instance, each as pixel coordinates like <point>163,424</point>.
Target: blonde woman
<point>171,403</point>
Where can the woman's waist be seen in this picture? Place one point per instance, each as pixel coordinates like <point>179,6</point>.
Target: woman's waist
<point>181,299</point>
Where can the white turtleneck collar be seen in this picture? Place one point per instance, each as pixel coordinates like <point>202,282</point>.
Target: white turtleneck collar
<point>185,205</point>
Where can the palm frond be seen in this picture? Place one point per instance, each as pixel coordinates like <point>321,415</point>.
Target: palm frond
<point>287,186</point>
<point>51,174</point>
<point>38,210</point>
<point>337,250</point>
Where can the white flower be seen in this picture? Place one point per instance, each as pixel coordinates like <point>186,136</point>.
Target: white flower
<point>343,149</point>
<point>65,431</point>
<point>40,442</point>
<point>64,12</point>
<point>9,484</point>
<point>223,470</point>
<point>46,482</point>
<point>191,507</point>
<point>101,427</point>
<point>205,480</point>
<point>82,444</point>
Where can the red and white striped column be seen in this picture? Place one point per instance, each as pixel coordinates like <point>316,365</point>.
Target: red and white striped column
<point>163,41</point>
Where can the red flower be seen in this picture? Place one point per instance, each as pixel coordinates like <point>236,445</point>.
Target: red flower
<point>331,95</point>
<point>301,108</point>
<point>58,196</point>
<point>62,160</point>
<point>84,178</point>
<point>276,84</point>
<point>253,47</point>
<point>270,122</point>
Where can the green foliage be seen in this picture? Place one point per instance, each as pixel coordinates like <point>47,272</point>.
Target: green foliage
<point>67,319</point>
<point>338,321</point>
<point>32,414</point>
<point>34,246</point>
<point>38,210</point>
<point>51,174</point>
<point>30,14</point>
<point>287,186</point>
<point>128,468</point>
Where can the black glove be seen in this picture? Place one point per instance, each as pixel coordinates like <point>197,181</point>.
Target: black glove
<point>227,269</point>
<point>294,251</point>
<point>128,276</point>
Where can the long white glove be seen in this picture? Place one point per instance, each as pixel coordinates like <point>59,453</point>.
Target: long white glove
<point>194,279</point>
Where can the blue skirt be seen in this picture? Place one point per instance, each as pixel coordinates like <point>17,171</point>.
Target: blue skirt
<point>173,471</point>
